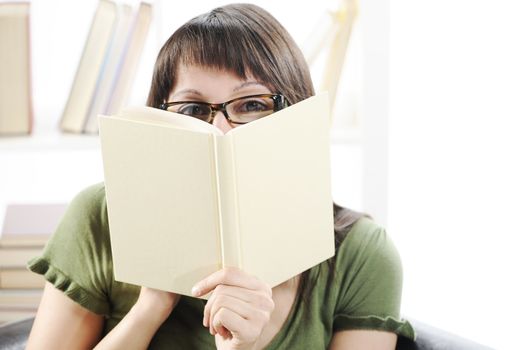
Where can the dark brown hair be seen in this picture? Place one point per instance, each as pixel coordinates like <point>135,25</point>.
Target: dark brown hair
<point>240,38</point>
<point>246,40</point>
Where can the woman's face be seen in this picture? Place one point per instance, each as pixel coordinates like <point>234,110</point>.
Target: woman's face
<point>213,86</point>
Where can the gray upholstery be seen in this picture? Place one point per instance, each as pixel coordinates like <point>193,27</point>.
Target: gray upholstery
<point>13,336</point>
<point>431,338</point>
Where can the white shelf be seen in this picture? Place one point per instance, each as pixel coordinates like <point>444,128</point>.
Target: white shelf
<point>49,138</point>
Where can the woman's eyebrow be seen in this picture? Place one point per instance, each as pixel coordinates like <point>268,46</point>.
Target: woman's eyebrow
<point>187,91</point>
<point>248,83</point>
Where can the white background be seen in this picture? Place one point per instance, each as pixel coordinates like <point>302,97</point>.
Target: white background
<point>440,163</point>
<point>457,164</point>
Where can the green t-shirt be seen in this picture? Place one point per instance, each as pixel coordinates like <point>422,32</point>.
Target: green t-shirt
<point>364,293</point>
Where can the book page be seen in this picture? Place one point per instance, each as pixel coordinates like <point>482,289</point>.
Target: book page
<point>155,116</point>
<point>284,202</point>
<point>162,205</point>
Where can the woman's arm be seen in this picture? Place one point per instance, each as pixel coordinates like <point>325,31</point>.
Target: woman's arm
<point>363,339</point>
<point>62,323</point>
<point>137,328</point>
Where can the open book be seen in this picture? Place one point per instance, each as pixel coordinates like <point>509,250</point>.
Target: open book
<point>185,200</point>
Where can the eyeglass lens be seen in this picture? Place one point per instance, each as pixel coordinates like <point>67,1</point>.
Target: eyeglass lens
<point>243,110</point>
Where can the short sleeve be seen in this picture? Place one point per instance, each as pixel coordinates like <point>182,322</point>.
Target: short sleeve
<point>369,275</point>
<point>77,258</point>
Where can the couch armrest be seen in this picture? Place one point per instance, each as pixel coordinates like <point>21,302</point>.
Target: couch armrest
<point>13,336</point>
<point>431,338</point>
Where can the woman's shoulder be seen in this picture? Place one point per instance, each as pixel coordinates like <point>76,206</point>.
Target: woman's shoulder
<point>91,196</point>
<point>89,205</point>
<point>364,231</point>
<point>86,217</point>
<point>367,242</point>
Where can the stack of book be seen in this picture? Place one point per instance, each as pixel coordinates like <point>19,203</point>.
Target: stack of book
<point>107,66</point>
<point>16,112</point>
<point>25,232</point>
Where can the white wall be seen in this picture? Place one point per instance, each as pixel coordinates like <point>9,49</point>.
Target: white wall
<point>457,164</point>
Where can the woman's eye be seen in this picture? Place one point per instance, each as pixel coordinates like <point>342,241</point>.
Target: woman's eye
<point>193,109</point>
<point>254,106</point>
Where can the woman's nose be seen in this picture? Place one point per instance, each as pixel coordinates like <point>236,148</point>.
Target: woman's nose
<point>221,122</point>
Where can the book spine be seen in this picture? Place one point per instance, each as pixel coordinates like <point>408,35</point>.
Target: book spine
<point>227,202</point>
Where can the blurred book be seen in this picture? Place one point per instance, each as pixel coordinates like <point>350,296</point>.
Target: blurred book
<point>20,298</point>
<point>25,231</point>
<point>111,67</point>
<point>20,278</point>
<point>130,63</point>
<point>17,257</point>
<point>16,111</point>
<point>108,64</point>
<point>29,225</point>
<point>89,68</point>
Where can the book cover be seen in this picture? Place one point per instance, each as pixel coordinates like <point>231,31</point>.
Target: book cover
<point>184,200</point>
<point>135,42</point>
<point>16,110</point>
<point>90,65</point>
<point>110,71</point>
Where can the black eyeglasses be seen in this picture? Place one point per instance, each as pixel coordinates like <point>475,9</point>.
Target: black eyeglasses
<point>240,110</point>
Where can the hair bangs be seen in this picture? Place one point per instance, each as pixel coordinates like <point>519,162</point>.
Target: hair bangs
<point>220,43</point>
<point>242,39</point>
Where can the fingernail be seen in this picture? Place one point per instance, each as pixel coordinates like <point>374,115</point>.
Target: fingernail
<point>195,291</point>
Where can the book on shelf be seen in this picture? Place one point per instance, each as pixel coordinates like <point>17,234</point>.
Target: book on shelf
<point>16,111</point>
<point>17,304</point>
<point>130,61</point>
<point>20,278</point>
<point>29,225</point>
<point>110,68</point>
<point>18,257</point>
<point>185,200</point>
<point>10,314</point>
<point>89,68</point>
<point>107,65</point>
<point>20,298</point>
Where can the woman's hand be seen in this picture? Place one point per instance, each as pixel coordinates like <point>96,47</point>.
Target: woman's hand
<point>238,309</point>
<point>157,303</point>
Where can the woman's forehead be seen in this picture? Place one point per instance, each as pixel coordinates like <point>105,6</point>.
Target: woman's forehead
<point>211,82</point>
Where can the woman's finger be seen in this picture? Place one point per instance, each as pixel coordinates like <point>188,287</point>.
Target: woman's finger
<point>226,321</point>
<point>243,309</point>
<point>257,299</point>
<point>232,277</point>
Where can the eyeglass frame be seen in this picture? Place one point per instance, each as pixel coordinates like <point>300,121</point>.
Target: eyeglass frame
<point>280,102</point>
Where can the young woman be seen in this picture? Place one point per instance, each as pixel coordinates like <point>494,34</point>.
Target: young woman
<point>229,66</point>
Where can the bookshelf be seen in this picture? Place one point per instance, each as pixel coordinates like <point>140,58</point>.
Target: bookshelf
<point>49,138</point>
<point>48,166</point>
